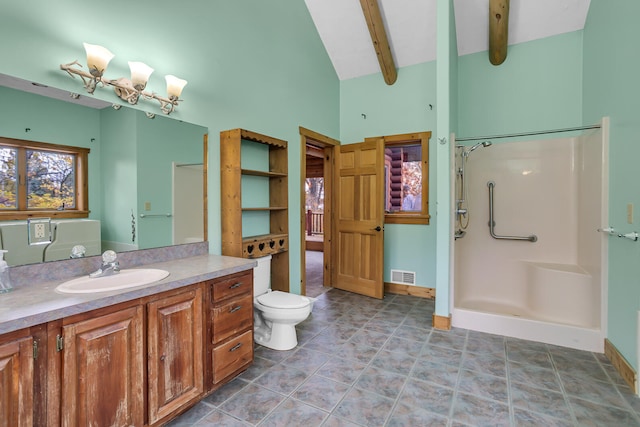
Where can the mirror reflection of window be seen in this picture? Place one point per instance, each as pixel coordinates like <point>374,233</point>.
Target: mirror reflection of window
<point>36,176</point>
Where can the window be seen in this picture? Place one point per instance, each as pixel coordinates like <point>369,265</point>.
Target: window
<point>406,173</point>
<point>42,180</point>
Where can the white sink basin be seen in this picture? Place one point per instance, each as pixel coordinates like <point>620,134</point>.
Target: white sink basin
<point>127,278</point>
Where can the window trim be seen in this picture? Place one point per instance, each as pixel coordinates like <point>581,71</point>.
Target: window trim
<point>81,179</point>
<point>421,217</point>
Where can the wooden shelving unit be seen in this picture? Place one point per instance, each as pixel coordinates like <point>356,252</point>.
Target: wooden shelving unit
<point>276,241</point>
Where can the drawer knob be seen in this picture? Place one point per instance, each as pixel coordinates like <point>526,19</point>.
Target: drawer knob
<point>234,309</point>
<point>235,347</point>
<point>162,358</point>
<point>235,285</point>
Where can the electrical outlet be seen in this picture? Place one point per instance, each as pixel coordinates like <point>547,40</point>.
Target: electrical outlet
<point>630,213</point>
<point>39,231</point>
<point>147,206</point>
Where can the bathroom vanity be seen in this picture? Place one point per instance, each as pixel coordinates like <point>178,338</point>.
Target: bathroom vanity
<point>135,357</point>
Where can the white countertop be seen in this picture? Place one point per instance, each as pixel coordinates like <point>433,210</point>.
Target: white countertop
<point>39,303</point>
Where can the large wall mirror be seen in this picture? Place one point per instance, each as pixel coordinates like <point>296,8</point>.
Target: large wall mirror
<point>146,175</point>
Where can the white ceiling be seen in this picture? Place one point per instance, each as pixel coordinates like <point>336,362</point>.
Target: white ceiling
<point>411,28</point>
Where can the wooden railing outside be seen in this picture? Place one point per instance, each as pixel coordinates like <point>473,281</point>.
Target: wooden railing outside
<point>315,223</point>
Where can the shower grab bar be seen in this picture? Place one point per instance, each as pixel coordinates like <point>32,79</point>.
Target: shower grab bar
<point>167,215</point>
<point>533,238</point>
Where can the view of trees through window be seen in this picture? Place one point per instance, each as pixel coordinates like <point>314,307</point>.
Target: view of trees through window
<point>8,174</point>
<point>50,178</point>
<point>314,189</point>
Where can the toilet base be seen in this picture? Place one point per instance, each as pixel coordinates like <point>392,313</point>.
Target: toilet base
<point>277,337</point>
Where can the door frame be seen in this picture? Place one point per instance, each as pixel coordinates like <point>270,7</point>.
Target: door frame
<point>328,144</point>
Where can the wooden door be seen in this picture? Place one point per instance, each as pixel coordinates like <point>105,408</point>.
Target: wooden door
<point>359,221</point>
<point>16,383</point>
<point>176,351</point>
<point>103,370</point>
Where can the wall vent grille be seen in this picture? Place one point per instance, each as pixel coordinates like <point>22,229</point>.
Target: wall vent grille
<point>403,277</point>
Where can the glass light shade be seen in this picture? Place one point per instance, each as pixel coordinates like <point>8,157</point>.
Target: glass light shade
<point>174,86</point>
<point>98,58</point>
<point>140,73</point>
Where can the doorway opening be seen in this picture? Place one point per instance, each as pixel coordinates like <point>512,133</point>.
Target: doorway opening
<point>316,172</point>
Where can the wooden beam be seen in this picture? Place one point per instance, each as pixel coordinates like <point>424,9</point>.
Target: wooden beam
<point>498,30</point>
<point>373,17</point>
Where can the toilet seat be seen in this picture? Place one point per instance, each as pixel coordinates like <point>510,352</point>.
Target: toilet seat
<point>278,299</point>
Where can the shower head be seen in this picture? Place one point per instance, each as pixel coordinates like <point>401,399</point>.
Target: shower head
<point>466,153</point>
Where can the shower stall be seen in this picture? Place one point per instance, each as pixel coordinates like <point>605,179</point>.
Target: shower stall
<point>528,260</point>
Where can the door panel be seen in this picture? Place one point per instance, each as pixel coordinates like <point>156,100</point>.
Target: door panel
<point>103,371</point>
<point>360,218</point>
<point>16,383</point>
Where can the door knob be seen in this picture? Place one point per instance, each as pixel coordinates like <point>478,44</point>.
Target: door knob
<point>378,228</point>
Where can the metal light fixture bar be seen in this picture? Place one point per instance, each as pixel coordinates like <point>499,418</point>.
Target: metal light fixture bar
<point>130,90</point>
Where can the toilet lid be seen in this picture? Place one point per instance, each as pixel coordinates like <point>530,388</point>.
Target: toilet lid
<point>278,299</point>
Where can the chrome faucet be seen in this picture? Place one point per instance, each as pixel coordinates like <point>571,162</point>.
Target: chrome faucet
<point>78,251</point>
<point>109,265</point>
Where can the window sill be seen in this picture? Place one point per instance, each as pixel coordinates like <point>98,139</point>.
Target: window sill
<point>406,218</point>
<point>18,215</point>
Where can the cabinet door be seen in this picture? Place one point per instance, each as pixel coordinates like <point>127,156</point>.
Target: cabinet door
<point>176,375</point>
<point>16,383</point>
<point>103,370</point>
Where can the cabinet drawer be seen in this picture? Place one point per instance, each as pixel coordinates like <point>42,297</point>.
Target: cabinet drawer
<point>232,355</point>
<point>232,317</point>
<point>231,286</point>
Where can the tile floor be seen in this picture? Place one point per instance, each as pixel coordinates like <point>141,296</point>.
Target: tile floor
<point>366,362</point>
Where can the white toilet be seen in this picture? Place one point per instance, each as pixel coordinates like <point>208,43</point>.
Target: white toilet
<point>276,313</point>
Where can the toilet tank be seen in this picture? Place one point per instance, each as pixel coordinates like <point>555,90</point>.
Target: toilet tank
<point>262,276</point>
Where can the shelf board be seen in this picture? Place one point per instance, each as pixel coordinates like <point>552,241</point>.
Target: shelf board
<point>268,208</point>
<point>263,173</point>
<point>250,239</point>
<point>263,139</point>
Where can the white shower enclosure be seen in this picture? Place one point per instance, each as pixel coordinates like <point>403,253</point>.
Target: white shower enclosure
<point>552,290</point>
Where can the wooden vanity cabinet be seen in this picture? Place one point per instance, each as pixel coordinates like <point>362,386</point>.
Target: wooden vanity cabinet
<point>103,374</point>
<point>230,328</point>
<point>16,380</point>
<point>175,352</point>
<point>137,363</point>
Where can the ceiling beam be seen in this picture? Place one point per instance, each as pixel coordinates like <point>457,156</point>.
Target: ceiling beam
<point>372,15</point>
<point>498,30</point>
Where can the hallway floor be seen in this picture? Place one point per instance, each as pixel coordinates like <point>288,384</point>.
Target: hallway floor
<point>367,362</point>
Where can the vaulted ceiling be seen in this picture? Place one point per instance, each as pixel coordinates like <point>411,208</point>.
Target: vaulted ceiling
<point>411,28</point>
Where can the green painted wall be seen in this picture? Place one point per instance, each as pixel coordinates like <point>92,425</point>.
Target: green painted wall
<point>538,87</point>
<point>160,143</point>
<point>249,63</point>
<point>611,70</point>
<point>120,186</point>
<point>400,108</point>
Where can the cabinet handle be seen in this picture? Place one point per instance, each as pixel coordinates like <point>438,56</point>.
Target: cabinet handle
<point>162,358</point>
<point>234,309</point>
<point>235,285</point>
<point>235,347</point>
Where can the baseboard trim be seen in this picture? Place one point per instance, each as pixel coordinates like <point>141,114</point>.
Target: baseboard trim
<point>441,322</point>
<point>623,367</point>
<point>415,291</point>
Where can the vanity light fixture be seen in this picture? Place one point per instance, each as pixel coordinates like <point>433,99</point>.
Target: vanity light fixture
<point>130,90</point>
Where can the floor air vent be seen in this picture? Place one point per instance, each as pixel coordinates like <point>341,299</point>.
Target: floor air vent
<point>403,277</point>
